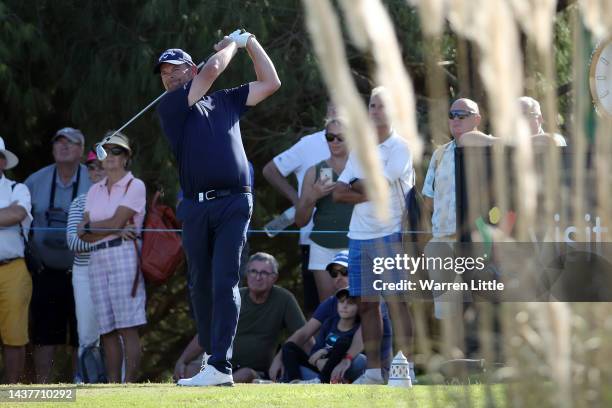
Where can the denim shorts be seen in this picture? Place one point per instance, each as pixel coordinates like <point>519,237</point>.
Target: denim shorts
<point>362,253</point>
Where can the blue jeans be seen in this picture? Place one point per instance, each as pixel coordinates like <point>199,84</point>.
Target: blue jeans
<point>357,368</point>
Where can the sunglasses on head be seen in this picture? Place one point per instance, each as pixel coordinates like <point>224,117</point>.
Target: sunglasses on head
<point>331,136</point>
<point>115,151</point>
<point>335,270</point>
<point>459,114</point>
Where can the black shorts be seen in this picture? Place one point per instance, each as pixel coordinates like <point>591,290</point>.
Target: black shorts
<point>53,320</point>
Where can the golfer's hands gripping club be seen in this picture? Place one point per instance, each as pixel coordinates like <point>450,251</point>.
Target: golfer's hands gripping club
<point>241,37</point>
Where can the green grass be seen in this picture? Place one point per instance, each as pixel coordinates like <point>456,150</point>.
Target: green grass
<point>276,395</point>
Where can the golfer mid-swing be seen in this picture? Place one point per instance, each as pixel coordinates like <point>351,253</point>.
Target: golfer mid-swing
<point>204,133</point>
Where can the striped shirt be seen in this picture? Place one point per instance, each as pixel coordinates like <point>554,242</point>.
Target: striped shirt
<point>78,246</point>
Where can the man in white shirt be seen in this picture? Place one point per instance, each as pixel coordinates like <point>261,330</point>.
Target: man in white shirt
<point>370,238</point>
<point>307,152</point>
<point>15,281</point>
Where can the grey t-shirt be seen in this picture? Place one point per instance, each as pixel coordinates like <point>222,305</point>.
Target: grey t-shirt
<point>51,245</point>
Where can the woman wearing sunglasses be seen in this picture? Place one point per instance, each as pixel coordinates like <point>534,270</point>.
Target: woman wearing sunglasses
<point>331,220</point>
<point>115,204</point>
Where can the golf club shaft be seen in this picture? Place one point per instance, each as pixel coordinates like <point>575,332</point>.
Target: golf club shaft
<point>101,153</point>
<point>148,106</point>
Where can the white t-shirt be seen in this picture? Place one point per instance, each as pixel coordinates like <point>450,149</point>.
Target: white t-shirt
<point>11,241</point>
<point>307,152</point>
<point>397,168</point>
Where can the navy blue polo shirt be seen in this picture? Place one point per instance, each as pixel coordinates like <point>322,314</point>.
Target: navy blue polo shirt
<point>205,138</point>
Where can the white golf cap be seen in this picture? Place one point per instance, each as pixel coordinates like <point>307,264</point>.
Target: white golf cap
<point>11,158</point>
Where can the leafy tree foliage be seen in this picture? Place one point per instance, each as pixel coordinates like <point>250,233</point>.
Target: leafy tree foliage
<point>88,64</point>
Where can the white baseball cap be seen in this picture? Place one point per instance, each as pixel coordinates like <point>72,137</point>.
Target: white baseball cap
<point>11,159</point>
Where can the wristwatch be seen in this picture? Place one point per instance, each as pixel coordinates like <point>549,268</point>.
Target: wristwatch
<point>86,228</point>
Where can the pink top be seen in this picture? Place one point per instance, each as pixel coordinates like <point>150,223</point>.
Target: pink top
<point>101,205</point>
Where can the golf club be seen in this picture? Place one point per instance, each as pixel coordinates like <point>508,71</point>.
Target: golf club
<point>101,153</point>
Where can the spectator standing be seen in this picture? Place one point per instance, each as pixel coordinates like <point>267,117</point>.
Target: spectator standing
<point>307,152</point>
<point>53,188</point>
<point>533,113</point>
<point>316,198</point>
<point>439,194</point>
<point>87,325</point>
<point>15,281</point>
<point>370,238</point>
<point>439,185</point>
<point>266,311</point>
<point>115,203</point>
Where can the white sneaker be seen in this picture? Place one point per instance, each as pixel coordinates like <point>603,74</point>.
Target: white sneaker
<point>315,380</point>
<point>364,379</point>
<point>209,376</point>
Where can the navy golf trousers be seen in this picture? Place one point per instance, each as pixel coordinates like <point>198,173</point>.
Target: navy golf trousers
<point>214,234</point>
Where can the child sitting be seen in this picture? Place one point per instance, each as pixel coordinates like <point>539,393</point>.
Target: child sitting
<point>332,343</point>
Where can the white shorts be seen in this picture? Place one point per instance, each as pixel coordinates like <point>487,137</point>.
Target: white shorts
<point>320,256</point>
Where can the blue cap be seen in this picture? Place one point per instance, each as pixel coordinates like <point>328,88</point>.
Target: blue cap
<point>341,258</point>
<point>344,292</point>
<point>174,56</point>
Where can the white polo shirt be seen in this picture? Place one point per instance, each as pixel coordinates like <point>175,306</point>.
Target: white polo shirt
<point>307,152</point>
<point>11,241</point>
<point>396,160</point>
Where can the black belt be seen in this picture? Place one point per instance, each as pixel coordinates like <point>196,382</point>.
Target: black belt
<point>218,193</point>
<point>107,244</point>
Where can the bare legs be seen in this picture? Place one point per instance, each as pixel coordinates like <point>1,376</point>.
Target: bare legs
<point>115,354</point>
<point>43,363</point>
<point>14,362</point>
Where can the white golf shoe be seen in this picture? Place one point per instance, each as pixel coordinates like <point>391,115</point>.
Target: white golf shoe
<point>209,376</point>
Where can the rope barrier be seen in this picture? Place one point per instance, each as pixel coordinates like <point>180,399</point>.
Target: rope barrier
<point>250,231</point>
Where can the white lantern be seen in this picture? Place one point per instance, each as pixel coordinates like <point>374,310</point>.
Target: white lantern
<point>399,376</point>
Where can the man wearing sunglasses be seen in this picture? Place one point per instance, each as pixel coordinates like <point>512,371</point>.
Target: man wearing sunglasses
<point>439,186</point>
<point>439,192</point>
